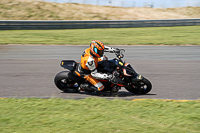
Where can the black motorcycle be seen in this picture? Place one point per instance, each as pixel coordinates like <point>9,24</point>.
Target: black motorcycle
<point>123,76</point>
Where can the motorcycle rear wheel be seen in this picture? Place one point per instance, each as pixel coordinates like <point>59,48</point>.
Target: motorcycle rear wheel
<point>141,87</point>
<point>64,83</point>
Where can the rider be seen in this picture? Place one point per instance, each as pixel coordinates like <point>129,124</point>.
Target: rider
<point>88,65</point>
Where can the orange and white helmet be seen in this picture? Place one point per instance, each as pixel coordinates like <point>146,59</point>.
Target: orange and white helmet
<point>97,48</point>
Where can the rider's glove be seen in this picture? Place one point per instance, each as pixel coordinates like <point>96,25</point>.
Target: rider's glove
<point>111,49</point>
<point>117,50</point>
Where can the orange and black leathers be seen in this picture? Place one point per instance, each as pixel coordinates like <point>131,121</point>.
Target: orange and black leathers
<point>84,60</point>
<point>87,69</point>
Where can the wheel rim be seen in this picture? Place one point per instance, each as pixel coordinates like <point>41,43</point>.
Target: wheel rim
<point>143,86</point>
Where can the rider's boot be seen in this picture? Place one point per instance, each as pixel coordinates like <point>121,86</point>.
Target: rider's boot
<point>95,89</point>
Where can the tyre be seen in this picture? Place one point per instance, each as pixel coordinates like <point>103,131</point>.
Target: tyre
<point>141,87</point>
<point>64,83</point>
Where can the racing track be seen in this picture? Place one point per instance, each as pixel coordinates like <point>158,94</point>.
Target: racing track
<point>28,71</point>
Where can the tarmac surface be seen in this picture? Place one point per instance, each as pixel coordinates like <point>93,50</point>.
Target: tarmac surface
<point>29,70</point>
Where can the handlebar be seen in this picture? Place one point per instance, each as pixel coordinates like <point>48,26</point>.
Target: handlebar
<point>119,53</point>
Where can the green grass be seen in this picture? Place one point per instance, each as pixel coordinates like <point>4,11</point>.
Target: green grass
<point>111,36</point>
<point>97,115</point>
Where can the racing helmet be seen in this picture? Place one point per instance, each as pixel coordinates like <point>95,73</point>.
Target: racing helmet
<point>96,48</point>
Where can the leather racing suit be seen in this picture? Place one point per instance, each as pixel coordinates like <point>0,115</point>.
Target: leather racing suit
<point>88,68</point>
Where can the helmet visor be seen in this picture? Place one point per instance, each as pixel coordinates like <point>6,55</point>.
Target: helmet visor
<point>100,53</point>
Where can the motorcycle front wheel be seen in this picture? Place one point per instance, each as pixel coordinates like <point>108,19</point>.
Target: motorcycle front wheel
<point>140,87</point>
<point>64,83</point>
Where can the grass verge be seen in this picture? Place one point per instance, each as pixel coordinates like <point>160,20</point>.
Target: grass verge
<point>187,35</point>
<point>52,10</point>
<point>98,115</point>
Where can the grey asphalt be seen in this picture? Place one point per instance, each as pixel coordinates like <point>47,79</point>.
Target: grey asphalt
<point>28,70</point>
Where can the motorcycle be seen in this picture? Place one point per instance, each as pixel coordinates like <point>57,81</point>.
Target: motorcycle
<point>123,76</point>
